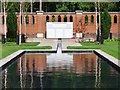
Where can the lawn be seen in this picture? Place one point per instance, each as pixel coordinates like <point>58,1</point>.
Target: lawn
<point>110,47</point>
<point>11,47</point>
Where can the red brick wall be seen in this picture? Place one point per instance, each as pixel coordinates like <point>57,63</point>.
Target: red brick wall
<point>114,26</point>
<point>90,28</point>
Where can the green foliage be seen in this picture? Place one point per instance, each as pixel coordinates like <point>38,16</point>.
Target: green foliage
<point>110,6</point>
<point>11,23</point>
<point>11,39</point>
<point>105,24</point>
<point>62,7</point>
<point>72,6</point>
<point>113,39</point>
<point>92,19</point>
<point>47,19</point>
<point>86,19</point>
<point>53,18</point>
<point>65,18</point>
<point>86,6</point>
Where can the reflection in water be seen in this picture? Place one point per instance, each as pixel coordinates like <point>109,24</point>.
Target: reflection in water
<point>98,72</point>
<point>84,63</point>
<point>21,75</point>
<point>5,78</point>
<point>60,71</point>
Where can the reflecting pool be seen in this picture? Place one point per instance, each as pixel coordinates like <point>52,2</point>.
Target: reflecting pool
<point>59,71</point>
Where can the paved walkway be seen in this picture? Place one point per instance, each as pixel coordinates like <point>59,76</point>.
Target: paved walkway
<point>53,43</point>
<point>69,42</point>
<point>48,42</point>
<point>33,39</point>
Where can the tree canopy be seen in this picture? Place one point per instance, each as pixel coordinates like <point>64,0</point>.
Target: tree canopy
<point>65,6</point>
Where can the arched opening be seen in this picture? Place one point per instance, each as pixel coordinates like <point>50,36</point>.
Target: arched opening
<point>53,18</point>
<point>33,20</point>
<point>59,18</point>
<point>86,19</point>
<point>47,18</point>
<point>65,18</point>
<point>115,19</point>
<point>71,18</point>
<point>27,19</point>
<point>92,19</point>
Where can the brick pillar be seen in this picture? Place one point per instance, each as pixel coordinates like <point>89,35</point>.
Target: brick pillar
<point>68,18</point>
<point>74,23</point>
<point>56,18</point>
<point>50,18</point>
<point>77,19</point>
<point>1,25</point>
<point>89,19</point>
<point>40,22</point>
<point>62,18</point>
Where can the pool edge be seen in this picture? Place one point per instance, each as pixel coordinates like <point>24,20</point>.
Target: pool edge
<point>108,57</point>
<point>10,58</point>
<point>18,53</point>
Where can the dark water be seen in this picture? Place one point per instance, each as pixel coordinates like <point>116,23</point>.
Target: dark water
<point>60,71</point>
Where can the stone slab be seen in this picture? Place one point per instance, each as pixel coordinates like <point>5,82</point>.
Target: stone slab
<point>109,57</point>
<point>10,57</point>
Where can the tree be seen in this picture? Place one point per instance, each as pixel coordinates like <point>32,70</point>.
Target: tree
<point>11,24</point>
<point>105,24</point>
<point>62,7</point>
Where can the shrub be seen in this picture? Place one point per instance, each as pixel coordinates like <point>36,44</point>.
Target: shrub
<point>11,39</point>
<point>105,24</point>
<point>11,23</point>
<point>113,39</point>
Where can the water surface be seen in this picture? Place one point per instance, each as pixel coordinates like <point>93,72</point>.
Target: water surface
<point>59,71</point>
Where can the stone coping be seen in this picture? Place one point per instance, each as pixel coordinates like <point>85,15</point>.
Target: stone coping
<point>9,58</point>
<point>18,53</point>
<point>77,51</point>
<point>108,57</point>
<point>77,12</point>
<point>34,13</point>
<point>41,51</point>
<point>59,13</point>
